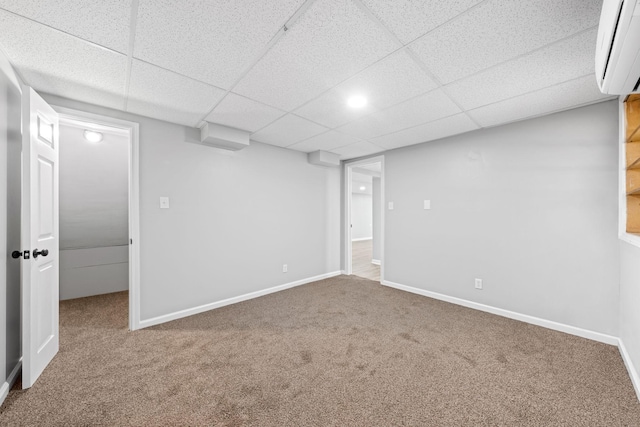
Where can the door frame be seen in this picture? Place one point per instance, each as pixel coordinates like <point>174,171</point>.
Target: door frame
<point>348,174</point>
<point>133,129</point>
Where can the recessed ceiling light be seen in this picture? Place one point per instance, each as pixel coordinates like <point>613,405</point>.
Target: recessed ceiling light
<point>363,188</point>
<point>92,135</point>
<point>357,101</point>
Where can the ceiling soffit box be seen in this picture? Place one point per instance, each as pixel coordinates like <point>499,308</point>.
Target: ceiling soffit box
<point>323,158</point>
<point>224,137</point>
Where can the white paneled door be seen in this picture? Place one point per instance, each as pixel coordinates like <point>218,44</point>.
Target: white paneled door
<point>39,235</point>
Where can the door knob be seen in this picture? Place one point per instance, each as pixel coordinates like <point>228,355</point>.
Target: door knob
<point>43,252</point>
<point>18,254</point>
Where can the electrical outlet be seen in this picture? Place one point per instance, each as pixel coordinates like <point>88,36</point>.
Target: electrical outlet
<point>478,283</point>
<point>284,268</point>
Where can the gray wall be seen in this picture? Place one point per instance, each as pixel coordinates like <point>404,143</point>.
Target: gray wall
<point>10,149</point>
<point>377,223</point>
<point>630,301</point>
<point>235,217</point>
<point>361,216</point>
<point>94,189</point>
<point>530,208</point>
<point>93,271</point>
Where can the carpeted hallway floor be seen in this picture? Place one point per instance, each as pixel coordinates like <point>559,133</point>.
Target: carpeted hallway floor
<point>339,352</point>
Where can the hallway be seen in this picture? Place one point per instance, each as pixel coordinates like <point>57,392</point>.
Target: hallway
<point>362,254</point>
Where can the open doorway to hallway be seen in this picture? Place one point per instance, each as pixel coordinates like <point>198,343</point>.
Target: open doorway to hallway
<point>366,220</point>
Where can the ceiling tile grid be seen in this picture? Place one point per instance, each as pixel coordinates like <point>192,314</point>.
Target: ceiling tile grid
<point>159,93</point>
<point>230,62</point>
<point>565,60</point>
<point>326,141</point>
<point>287,131</point>
<point>243,113</point>
<point>563,96</point>
<point>331,42</point>
<point>442,128</point>
<point>54,62</point>
<point>104,22</point>
<point>499,30</point>
<point>211,41</point>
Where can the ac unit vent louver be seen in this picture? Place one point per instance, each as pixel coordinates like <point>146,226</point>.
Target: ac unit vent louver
<point>618,48</point>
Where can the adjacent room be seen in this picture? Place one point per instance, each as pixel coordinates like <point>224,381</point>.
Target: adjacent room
<point>94,210</point>
<point>366,220</point>
<point>320,212</point>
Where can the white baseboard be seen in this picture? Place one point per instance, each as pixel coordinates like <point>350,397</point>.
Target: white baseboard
<point>573,330</point>
<point>206,307</point>
<point>361,239</point>
<point>375,261</point>
<point>13,376</point>
<point>633,373</point>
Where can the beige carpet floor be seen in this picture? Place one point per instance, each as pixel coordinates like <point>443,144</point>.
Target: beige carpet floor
<point>340,352</point>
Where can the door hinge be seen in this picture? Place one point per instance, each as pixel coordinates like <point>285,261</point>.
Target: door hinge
<point>131,241</point>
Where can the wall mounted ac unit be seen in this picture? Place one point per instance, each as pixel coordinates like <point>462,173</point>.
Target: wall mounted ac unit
<point>618,48</point>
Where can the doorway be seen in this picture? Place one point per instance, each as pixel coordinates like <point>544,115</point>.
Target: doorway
<point>99,222</point>
<point>365,222</point>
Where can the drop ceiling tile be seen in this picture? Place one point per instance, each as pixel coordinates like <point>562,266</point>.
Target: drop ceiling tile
<point>164,95</point>
<point>359,149</point>
<point>556,98</point>
<point>367,127</point>
<point>331,41</point>
<point>500,30</point>
<point>453,125</point>
<point>287,131</point>
<point>422,109</point>
<point>331,110</point>
<point>409,19</point>
<point>326,141</point>
<point>67,67</point>
<point>212,41</point>
<point>555,64</point>
<point>390,81</point>
<point>243,113</point>
<point>104,22</point>
<point>379,84</point>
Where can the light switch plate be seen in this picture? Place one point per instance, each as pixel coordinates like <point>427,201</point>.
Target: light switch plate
<point>390,206</point>
<point>164,203</point>
<point>427,204</point>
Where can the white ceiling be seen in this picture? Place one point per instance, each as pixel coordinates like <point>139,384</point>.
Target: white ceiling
<point>282,69</point>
